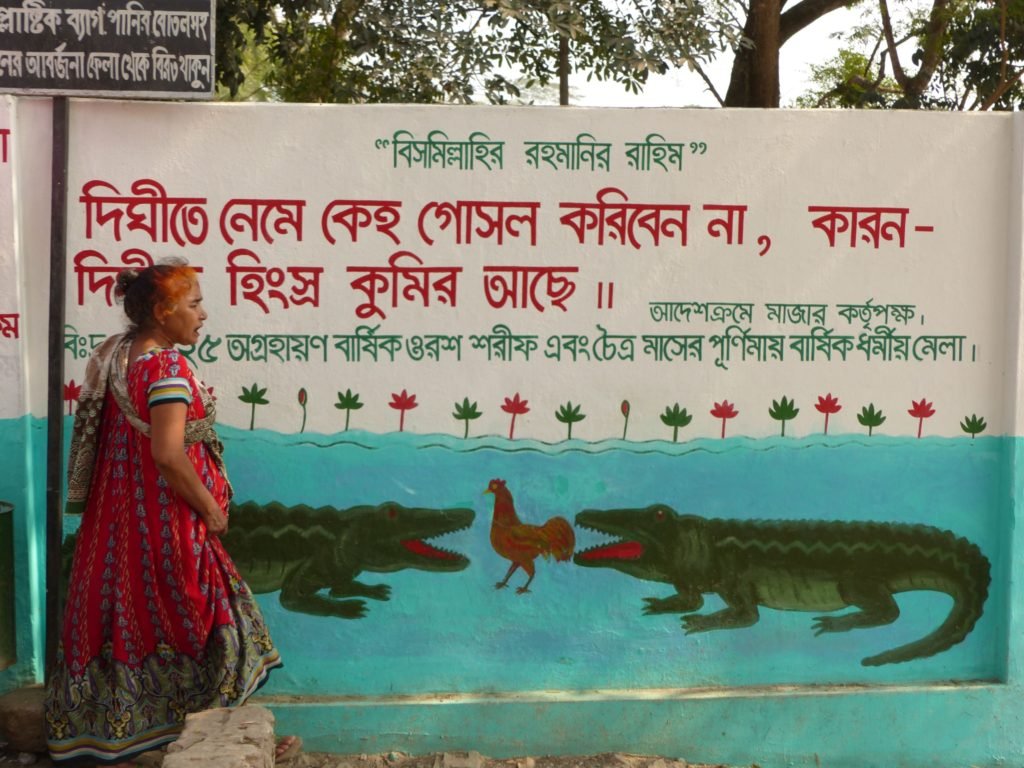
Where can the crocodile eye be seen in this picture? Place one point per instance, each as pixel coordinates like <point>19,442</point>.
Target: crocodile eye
<point>392,513</point>
<point>659,514</point>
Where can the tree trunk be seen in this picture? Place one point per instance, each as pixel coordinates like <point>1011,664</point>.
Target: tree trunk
<point>755,72</point>
<point>563,71</point>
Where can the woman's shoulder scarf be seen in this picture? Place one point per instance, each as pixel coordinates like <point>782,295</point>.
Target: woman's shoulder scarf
<point>108,367</point>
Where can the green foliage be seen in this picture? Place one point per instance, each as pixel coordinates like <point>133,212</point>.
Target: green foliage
<point>983,60</point>
<point>348,402</point>
<point>424,51</point>
<point>466,411</point>
<point>676,418</point>
<point>253,396</point>
<point>249,66</point>
<point>847,81</point>
<point>783,411</point>
<point>952,55</point>
<point>973,425</point>
<point>870,418</point>
<point>569,414</point>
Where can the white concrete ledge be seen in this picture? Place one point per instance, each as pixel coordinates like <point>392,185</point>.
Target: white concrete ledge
<point>242,737</point>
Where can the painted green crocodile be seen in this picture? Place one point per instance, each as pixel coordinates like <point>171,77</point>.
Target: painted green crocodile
<point>301,551</point>
<point>796,565</point>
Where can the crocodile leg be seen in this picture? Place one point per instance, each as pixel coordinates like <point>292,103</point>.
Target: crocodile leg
<point>684,601</point>
<point>876,603</point>
<point>319,605</point>
<point>353,588</point>
<point>740,611</point>
<point>299,593</point>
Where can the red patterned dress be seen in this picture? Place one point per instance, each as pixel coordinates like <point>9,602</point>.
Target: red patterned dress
<point>157,623</point>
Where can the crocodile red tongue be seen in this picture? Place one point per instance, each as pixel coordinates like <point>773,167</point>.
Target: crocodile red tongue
<point>620,550</point>
<point>421,548</point>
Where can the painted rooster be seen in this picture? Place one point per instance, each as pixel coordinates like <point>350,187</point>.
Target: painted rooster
<point>521,542</point>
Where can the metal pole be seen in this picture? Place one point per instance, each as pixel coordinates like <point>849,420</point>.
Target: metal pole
<point>55,381</point>
<point>8,636</point>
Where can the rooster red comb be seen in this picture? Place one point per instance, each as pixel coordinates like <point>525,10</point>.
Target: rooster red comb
<point>495,483</point>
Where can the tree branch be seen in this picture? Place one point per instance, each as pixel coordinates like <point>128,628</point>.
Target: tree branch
<point>707,81</point>
<point>805,13</point>
<point>931,44</point>
<point>890,41</point>
<point>1002,88</point>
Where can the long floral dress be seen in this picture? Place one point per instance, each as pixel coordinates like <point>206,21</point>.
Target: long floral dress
<point>157,623</point>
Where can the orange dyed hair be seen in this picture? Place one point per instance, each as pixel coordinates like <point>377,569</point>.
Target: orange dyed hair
<point>156,288</point>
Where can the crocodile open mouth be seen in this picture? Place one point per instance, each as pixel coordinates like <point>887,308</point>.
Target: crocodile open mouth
<point>423,549</point>
<point>618,550</point>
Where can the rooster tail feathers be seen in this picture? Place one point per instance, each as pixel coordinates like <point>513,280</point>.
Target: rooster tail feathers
<point>560,537</point>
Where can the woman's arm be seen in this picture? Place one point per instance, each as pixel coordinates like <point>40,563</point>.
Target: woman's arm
<point>167,439</point>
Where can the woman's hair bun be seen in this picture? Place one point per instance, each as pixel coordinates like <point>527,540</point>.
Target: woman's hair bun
<point>125,279</point>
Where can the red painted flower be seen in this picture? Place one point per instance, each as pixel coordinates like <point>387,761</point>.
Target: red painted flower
<point>402,402</point>
<point>517,407</point>
<point>921,410</point>
<point>71,393</point>
<point>625,415</point>
<point>303,398</point>
<point>724,411</point>
<point>828,405</point>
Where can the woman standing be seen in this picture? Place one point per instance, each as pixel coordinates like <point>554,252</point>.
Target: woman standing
<point>157,623</point>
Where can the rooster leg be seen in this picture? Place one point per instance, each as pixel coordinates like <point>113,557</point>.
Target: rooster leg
<point>504,582</point>
<point>528,567</point>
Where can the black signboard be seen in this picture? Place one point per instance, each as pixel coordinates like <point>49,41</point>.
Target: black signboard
<point>123,48</point>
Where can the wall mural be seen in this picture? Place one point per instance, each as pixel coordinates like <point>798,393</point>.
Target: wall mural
<point>787,565</point>
<point>475,367</point>
<point>300,551</point>
<point>794,565</point>
<point>523,543</point>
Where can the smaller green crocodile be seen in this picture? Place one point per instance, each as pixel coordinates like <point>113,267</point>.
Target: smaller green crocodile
<point>795,565</point>
<point>301,551</point>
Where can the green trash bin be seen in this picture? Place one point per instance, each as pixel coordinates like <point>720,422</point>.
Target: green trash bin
<point>8,646</point>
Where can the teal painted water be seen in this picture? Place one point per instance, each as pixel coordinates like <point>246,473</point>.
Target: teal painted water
<point>584,628</point>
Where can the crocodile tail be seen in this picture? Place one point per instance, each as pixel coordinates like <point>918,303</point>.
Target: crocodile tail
<point>968,577</point>
<point>560,537</point>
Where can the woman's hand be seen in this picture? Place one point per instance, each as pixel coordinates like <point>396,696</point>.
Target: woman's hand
<point>167,443</point>
<point>216,521</point>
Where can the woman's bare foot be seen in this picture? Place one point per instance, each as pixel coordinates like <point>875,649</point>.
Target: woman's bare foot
<point>287,748</point>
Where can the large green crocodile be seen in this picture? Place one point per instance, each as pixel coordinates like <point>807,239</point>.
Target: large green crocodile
<point>301,551</point>
<point>795,565</point>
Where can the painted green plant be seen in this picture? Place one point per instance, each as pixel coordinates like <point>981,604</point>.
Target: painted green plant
<point>569,414</point>
<point>466,411</point>
<point>870,418</point>
<point>676,418</point>
<point>973,425</point>
<point>253,396</point>
<point>783,410</point>
<point>348,402</point>
<point>625,415</point>
<point>303,399</point>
